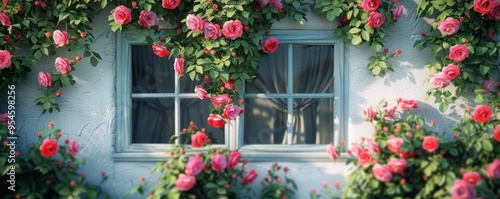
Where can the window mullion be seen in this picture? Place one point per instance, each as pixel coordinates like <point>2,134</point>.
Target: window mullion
<point>290,99</point>
<point>177,108</point>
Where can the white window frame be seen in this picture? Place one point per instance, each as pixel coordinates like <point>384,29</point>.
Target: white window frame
<point>125,150</point>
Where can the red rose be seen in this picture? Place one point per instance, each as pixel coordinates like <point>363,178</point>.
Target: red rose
<point>249,177</point>
<point>232,29</point>
<point>496,133</point>
<point>364,158</point>
<point>355,149</point>
<point>472,178</point>
<point>185,182</point>
<point>211,31</point>
<point>194,166</point>
<point>147,19</point>
<point>231,111</point>
<point>495,11</point>
<point>270,45</point>
<point>198,139</point>
<point>194,22</point>
<point>121,15</point>
<point>493,169</point>
<point>49,148</point>
<point>408,104</point>
<point>430,143</point>
<point>382,173</point>
<point>449,26</point>
<point>370,113</point>
<point>452,70</point>
<point>370,5</point>
<point>160,51</point>
<point>201,92</point>
<point>376,19</point>
<point>229,84</point>
<point>462,189</point>
<point>372,146</point>
<point>394,144</point>
<point>4,18</point>
<point>233,160</point>
<point>398,12</point>
<point>220,100</point>
<point>216,121</point>
<point>458,53</point>
<point>483,6</point>
<point>397,165</point>
<point>482,114</point>
<point>179,66</point>
<point>332,152</point>
<point>170,4</point>
<point>440,80</point>
<point>73,147</point>
<point>5,59</point>
<point>218,162</point>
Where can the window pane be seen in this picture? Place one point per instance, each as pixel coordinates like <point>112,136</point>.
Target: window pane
<point>313,121</point>
<point>312,68</point>
<point>187,85</point>
<point>150,73</point>
<point>265,121</point>
<point>272,73</point>
<point>197,110</point>
<point>152,120</point>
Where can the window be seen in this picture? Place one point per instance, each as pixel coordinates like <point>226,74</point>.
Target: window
<point>294,108</point>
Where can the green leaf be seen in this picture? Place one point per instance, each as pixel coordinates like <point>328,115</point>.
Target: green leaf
<point>443,107</point>
<point>330,16</point>
<point>487,145</point>
<point>356,39</point>
<point>93,61</point>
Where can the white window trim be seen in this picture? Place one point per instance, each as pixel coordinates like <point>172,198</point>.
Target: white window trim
<point>125,151</point>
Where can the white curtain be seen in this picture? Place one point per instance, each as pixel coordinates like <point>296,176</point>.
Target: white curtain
<point>313,117</point>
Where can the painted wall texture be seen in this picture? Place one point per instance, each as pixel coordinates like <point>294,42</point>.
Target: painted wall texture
<point>88,111</point>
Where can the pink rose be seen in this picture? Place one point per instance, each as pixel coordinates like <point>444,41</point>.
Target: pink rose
<point>482,114</point>
<point>4,118</point>
<point>370,5</point>
<point>211,31</point>
<point>264,3</point>
<point>170,4</point>
<point>270,45</point>
<point>370,113</point>
<point>160,51</point>
<point>220,100</point>
<point>355,149</point>
<point>194,22</point>
<point>408,104</point>
<point>440,80</point>
<point>194,166</point>
<point>364,158</point>
<point>462,190</point>
<point>185,182</point>
<point>458,53</point>
<point>376,19</point>
<point>216,121</point>
<point>121,15</point>
<point>381,173</point>
<point>449,26</point>
<point>277,4</point>
<point>394,144</point>
<point>495,11</point>
<point>231,111</point>
<point>249,177</point>
<point>390,113</point>
<point>4,18</point>
<point>201,92</point>
<point>430,144</point>
<point>372,146</point>
<point>496,133</point>
<point>218,162</point>
<point>229,84</point>
<point>73,147</point>
<point>397,165</point>
<point>332,152</point>
<point>232,29</point>
<point>452,70</point>
<point>62,65</point>
<point>44,79</point>
<point>488,84</point>
<point>60,38</point>
<point>233,159</point>
<point>493,169</point>
<point>49,148</point>
<point>147,19</point>
<point>483,6</point>
<point>199,139</point>
<point>179,66</point>
<point>472,178</point>
<point>397,12</point>
<point>5,59</point>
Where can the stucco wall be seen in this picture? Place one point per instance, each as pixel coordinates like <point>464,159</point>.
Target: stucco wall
<point>88,108</point>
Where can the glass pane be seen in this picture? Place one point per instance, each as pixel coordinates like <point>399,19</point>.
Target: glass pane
<point>312,68</point>
<point>265,121</point>
<point>272,73</point>
<point>313,121</point>
<point>150,73</point>
<point>187,85</point>
<point>152,120</point>
<point>197,110</point>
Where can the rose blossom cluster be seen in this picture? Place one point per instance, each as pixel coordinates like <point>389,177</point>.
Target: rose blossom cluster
<point>231,29</point>
<point>488,7</point>
<point>375,18</point>
<point>389,113</point>
<point>464,188</point>
<point>444,78</point>
<point>272,3</point>
<point>49,147</point>
<point>147,19</point>
<point>218,163</point>
<point>220,102</point>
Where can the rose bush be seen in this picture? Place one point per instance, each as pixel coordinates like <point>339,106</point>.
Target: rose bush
<point>277,186</point>
<point>214,173</point>
<point>50,169</point>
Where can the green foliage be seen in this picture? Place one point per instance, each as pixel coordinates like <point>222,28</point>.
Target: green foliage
<point>37,176</point>
<point>353,27</point>
<point>276,186</point>
<point>476,31</point>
